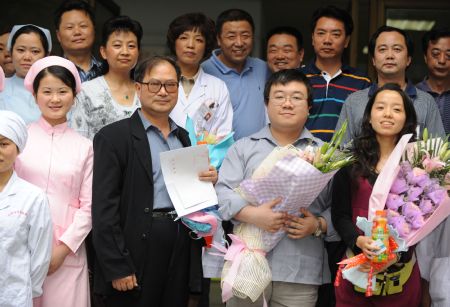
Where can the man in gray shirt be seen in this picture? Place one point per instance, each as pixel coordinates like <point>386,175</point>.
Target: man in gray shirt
<point>391,50</point>
<point>297,262</point>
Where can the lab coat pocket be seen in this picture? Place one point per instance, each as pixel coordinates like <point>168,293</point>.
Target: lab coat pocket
<point>440,281</point>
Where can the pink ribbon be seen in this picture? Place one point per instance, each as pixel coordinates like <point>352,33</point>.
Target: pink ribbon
<point>233,254</point>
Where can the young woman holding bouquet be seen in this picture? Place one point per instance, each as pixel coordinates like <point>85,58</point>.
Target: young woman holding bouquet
<point>59,160</point>
<point>388,116</point>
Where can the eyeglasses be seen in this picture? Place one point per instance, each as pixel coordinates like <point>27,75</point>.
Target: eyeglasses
<point>154,86</point>
<point>278,100</point>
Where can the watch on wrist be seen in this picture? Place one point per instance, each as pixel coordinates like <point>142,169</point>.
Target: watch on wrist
<point>318,231</point>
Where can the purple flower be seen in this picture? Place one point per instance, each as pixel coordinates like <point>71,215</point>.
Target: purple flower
<point>414,193</point>
<point>405,168</point>
<point>426,206</point>
<point>399,223</point>
<point>399,186</point>
<point>417,222</point>
<point>437,196</point>
<point>394,201</point>
<point>410,211</point>
<point>418,177</point>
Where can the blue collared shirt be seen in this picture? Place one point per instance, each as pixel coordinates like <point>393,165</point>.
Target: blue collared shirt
<point>246,92</point>
<point>95,70</point>
<point>158,144</point>
<point>296,261</point>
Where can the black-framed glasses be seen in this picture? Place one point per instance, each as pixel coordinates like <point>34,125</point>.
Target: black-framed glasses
<point>154,86</point>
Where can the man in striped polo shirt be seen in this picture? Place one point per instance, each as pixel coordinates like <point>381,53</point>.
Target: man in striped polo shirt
<point>331,79</point>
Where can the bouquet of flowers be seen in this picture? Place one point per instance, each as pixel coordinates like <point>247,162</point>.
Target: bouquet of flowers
<point>297,176</point>
<point>217,145</point>
<point>412,187</point>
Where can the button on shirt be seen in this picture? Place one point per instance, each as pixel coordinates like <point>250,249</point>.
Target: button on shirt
<point>159,144</point>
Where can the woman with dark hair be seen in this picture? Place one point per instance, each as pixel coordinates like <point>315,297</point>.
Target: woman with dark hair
<point>112,96</point>
<point>388,116</point>
<point>201,97</point>
<point>26,44</point>
<point>59,161</point>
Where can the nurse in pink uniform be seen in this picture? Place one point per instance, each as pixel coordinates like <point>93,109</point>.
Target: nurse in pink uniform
<point>59,160</point>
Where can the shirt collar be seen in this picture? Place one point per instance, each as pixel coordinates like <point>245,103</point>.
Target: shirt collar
<point>312,68</point>
<point>410,89</point>
<point>9,189</point>
<point>265,133</point>
<point>194,77</point>
<point>225,69</point>
<point>49,129</point>
<point>147,123</point>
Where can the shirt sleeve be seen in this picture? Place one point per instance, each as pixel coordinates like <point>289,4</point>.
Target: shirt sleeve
<point>346,116</point>
<point>109,241</point>
<point>78,116</point>
<point>230,176</point>
<point>433,119</point>
<point>40,237</point>
<point>81,225</point>
<point>341,208</point>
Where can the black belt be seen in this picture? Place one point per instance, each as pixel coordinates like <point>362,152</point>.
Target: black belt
<point>165,214</point>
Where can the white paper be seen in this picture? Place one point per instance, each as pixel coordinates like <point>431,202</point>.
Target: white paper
<point>180,169</point>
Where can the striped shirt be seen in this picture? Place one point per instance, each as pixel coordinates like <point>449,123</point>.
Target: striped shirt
<point>329,94</point>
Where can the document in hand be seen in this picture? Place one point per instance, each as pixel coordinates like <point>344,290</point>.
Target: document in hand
<point>180,169</point>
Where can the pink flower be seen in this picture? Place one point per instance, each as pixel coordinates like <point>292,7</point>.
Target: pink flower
<point>432,164</point>
<point>394,201</point>
<point>399,186</point>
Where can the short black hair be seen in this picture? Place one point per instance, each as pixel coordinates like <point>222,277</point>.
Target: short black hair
<point>233,15</point>
<point>148,64</point>
<point>190,22</point>
<point>27,30</point>
<point>373,39</point>
<point>289,31</point>
<point>334,12</point>
<point>121,23</point>
<point>5,29</point>
<point>284,77</point>
<point>72,5</point>
<point>59,72</point>
<point>433,36</point>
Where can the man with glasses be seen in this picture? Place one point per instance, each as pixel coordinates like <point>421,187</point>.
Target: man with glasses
<point>297,260</point>
<point>144,257</point>
<point>436,51</point>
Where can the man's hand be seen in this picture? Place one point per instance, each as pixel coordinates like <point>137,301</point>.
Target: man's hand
<point>300,227</point>
<point>209,175</point>
<point>263,216</point>
<point>125,284</point>
<point>59,254</point>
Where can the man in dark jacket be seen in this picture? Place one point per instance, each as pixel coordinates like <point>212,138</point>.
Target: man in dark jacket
<point>143,256</point>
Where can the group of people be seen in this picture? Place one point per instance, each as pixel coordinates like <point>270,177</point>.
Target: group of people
<point>81,137</point>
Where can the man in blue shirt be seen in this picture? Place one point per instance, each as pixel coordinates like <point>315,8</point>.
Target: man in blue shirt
<point>244,76</point>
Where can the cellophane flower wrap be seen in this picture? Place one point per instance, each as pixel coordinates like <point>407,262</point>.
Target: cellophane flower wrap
<point>413,188</point>
<point>297,177</point>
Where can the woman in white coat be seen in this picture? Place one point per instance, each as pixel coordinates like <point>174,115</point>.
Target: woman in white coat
<point>201,96</point>
<point>25,222</point>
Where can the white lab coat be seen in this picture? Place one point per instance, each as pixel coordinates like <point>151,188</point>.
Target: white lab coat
<point>25,242</point>
<point>206,87</point>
